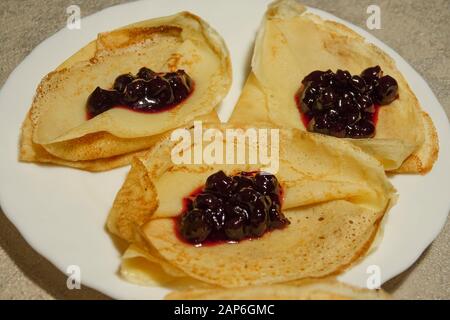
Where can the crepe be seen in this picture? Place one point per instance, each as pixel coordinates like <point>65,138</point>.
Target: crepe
<point>291,43</point>
<point>327,289</point>
<point>57,130</point>
<point>334,195</point>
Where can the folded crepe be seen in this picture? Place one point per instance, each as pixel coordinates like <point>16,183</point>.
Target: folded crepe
<point>57,129</point>
<point>326,289</point>
<point>292,43</point>
<point>334,196</point>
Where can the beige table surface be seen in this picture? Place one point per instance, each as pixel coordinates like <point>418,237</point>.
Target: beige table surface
<point>418,30</point>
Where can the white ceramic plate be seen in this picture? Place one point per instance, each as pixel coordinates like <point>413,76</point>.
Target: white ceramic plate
<point>61,212</point>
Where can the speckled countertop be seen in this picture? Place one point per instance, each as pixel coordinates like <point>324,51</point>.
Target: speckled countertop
<point>416,29</point>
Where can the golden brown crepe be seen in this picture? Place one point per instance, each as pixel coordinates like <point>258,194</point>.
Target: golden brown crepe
<point>327,289</point>
<point>335,196</point>
<point>56,128</point>
<point>290,44</point>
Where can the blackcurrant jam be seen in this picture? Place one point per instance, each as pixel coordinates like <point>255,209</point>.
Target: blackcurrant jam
<point>147,91</point>
<point>232,208</point>
<point>344,105</point>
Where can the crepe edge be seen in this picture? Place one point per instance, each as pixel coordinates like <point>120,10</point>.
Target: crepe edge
<point>422,160</point>
<point>34,153</point>
<point>123,222</point>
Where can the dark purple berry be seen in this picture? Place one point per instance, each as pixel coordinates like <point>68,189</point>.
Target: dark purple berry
<point>207,200</point>
<point>267,183</point>
<point>343,77</point>
<point>237,219</point>
<point>159,92</point>
<point>257,219</point>
<point>275,199</point>
<point>276,219</point>
<point>247,196</point>
<point>363,102</point>
<point>240,182</point>
<point>101,100</point>
<point>387,90</point>
<point>219,182</point>
<point>371,73</point>
<point>358,83</point>
<point>135,90</point>
<point>328,97</point>
<point>215,217</point>
<point>351,115</point>
<point>146,74</point>
<point>314,76</point>
<point>325,78</point>
<point>122,81</point>
<point>361,129</point>
<point>194,226</point>
<point>180,83</point>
